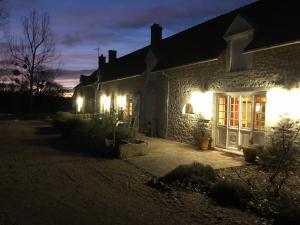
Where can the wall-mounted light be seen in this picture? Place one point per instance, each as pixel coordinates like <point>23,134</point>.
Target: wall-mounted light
<point>105,103</point>
<point>121,101</point>
<point>282,102</point>
<point>79,103</point>
<point>202,102</point>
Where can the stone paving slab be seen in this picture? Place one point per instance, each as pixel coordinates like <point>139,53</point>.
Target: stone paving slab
<point>165,155</point>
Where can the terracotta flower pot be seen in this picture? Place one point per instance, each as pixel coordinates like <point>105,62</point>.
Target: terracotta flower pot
<point>204,143</point>
<point>250,154</point>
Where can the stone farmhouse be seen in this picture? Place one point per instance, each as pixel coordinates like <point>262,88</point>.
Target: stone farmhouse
<point>239,72</point>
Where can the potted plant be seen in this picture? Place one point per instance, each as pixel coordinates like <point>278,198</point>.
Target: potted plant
<point>251,151</point>
<point>202,133</point>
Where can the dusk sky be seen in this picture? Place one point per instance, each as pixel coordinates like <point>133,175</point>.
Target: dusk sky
<point>123,25</point>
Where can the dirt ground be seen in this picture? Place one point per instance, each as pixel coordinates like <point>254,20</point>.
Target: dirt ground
<point>43,181</point>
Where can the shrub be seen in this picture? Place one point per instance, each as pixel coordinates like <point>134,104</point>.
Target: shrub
<point>288,213</point>
<point>60,118</point>
<point>97,133</point>
<point>128,150</point>
<point>67,127</point>
<point>280,152</point>
<point>279,157</point>
<point>231,193</point>
<point>195,175</point>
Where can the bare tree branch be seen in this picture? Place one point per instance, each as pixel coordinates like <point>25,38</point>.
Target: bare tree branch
<point>35,48</point>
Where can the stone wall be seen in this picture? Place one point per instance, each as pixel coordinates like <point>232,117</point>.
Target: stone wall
<point>132,87</point>
<point>128,86</point>
<point>88,94</point>
<point>273,67</point>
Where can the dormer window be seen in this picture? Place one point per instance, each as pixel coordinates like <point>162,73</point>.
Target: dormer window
<point>238,37</point>
<point>238,60</point>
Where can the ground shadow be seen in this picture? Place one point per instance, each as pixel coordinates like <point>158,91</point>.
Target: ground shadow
<point>48,130</point>
<point>70,144</point>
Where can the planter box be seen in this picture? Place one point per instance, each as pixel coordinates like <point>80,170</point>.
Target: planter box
<point>128,150</point>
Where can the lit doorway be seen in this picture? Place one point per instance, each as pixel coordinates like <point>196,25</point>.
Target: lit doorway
<point>240,120</point>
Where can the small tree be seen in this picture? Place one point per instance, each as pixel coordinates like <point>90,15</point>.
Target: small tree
<point>279,157</point>
<point>35,48</point>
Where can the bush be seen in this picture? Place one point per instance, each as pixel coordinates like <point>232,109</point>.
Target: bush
<point>195,175</point>
<point>61,117</point>
<point>231,193</point>
<point>94,132</point>
<point>127,150</point>
<point>279,156</point>
<point>288,213</point>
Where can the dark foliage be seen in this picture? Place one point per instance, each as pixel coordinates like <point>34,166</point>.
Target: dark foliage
<point>193,176</point>
<point>93,132</point>
<point>288,213</point>
<point>231,193</point>
<point>17,103</point>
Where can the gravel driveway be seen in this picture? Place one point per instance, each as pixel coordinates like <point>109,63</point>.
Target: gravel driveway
<point>43,181</point>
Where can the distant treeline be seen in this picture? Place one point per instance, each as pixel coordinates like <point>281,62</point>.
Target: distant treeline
<point>18,103</point>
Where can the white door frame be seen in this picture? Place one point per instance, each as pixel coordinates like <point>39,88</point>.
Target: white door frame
<point>239,130</point>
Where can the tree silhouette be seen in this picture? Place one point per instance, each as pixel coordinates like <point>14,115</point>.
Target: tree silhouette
<point>34,49</point>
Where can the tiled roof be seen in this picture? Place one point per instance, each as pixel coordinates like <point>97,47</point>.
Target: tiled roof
<point>274,22</point>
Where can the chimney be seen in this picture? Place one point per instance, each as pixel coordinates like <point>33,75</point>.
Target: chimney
<point>112,55</point>
<point>101,61</point>
<point>156,34</point>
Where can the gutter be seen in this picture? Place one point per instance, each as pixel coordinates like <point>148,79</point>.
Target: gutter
<point>167,103</point>
<point>272,47</point>
<point>125,78</point>
<point>184,65</point>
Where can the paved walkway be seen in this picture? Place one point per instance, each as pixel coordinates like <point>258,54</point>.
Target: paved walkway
<point>165,155</point>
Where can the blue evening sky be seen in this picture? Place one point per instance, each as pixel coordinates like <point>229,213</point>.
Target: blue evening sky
<point>80,26</point>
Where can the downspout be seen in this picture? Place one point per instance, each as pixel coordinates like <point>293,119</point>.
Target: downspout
<point>167,103</point>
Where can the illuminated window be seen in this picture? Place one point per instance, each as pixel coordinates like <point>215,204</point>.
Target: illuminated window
<point>105,103</point>
<point>79,102</point>
<point>234,112</point>
<point>246,112</point>
<point>259,114</point>
<point>121,101</point>
<point>222,111</point>
<point>130,108</point>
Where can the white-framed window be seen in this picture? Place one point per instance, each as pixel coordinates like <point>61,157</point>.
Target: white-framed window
<point>242,111</point>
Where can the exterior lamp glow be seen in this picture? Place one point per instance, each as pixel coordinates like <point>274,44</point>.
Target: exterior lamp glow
<point>282,102</point>
<point>79,102</point>
<point>121,101</point>
<point>105,102</point>
<point>202,102</point>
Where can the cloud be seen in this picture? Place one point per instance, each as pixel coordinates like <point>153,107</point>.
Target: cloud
<point>112,24</point>
<point>81,26</point>
<point>70,78</point>
<point>70,40</point>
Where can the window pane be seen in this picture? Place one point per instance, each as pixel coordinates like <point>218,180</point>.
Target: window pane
<point>234,111</point>
<point>260,110</point>
<point>246,112</point>
<point>222,120</point>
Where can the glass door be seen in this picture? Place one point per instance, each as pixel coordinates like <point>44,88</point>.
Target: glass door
<point>240,120</point>
<point>233,128</point>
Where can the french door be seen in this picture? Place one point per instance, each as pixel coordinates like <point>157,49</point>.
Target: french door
<point>240,120</point>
